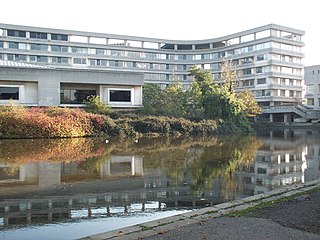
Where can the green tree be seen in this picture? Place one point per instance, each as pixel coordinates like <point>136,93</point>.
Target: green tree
<point>94,104</point>
<point>203,78</point>
<point>173,99</point>
<point>222,101</point>
<point>151,98</point>
<point>250,107</point>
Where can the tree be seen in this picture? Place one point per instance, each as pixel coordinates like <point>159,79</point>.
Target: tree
<point>151,98</point>
<point>229,76</point>
<point>203,78</point>
<point>173,99</point>
<point>94,104</point>
<point>250,107</point>
<point>222,102</point>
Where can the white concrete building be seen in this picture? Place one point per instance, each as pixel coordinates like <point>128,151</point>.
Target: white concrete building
<point>312,80</point>
<point>268,59</point>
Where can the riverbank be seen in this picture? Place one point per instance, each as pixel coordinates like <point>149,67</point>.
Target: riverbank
<point>54,122</point>
<point>287,213</point>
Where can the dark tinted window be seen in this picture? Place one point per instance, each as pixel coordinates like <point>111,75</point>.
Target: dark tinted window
<point>38,35</point>
<point>74,96</point>
<point>60,37</point>
<point>16,33</point>
<point>120,96</point>
<point>7,93</point>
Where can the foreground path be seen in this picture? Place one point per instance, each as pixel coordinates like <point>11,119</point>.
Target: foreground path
<point>290,213</point>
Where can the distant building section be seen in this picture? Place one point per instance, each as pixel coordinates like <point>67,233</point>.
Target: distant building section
<point>312,80</point>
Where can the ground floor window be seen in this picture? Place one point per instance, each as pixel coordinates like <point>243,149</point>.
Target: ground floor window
<point>7,93</point>
<point>120,96</point>
<point>75,96</point>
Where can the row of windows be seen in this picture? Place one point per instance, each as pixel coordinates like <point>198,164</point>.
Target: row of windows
<point>37,35</point>
<point>131,43</point>
<point>146,55</point>
<point>266,69</point>
<point>143,65</point>
<point>276,81</point>
<point>278,93</point>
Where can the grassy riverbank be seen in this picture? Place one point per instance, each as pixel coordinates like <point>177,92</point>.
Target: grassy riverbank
<point>54,122</point>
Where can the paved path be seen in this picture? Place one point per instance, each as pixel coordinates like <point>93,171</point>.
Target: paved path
<point>298,219</point>
<point>295,217</point>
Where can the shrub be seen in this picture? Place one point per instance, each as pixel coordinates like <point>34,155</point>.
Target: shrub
<point>49,122</point>
<point>94,104</point>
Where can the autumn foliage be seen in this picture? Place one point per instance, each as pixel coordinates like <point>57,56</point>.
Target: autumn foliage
<point>50,122</point>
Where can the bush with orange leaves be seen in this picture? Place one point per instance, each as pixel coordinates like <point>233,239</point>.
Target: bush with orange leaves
<point>49,122</point>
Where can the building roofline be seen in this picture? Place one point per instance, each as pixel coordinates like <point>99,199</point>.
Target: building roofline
<point>138,38</point>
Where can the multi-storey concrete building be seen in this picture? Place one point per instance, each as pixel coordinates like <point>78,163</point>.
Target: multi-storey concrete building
<point>268,59</point>
<point>312,80</point>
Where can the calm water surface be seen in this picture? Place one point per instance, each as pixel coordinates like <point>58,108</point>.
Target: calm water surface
<point>72,188</point>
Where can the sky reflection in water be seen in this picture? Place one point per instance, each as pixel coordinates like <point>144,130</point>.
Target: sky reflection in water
<point>70,188</point>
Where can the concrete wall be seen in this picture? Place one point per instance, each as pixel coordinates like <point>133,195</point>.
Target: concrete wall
<point>42,86</point>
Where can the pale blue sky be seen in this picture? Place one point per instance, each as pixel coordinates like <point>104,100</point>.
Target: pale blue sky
<point>169,19</point>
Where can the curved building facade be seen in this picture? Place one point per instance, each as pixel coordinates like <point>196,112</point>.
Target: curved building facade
<point>268,58</point>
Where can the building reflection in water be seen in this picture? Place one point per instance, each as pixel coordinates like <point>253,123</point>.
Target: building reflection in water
<point>45,191</point>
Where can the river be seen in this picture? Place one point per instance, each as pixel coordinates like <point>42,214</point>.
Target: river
<point>72,188</point>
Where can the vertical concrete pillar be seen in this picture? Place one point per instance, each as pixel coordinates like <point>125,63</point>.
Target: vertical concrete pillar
<point>108,210</point>
<point>29,210</point>
<point>70,202</point>
<point>271,117</point>
<point>50,210</point>
<point>271,134</point>
<point>6,215</point>
<point>49,91</point>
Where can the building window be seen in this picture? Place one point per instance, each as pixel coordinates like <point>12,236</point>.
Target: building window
<point>247,71</point>
<point>59,37</point>
<point>249,82</point>
<point>38,35</point>
<point>98,62</point>
<point>7,93</point>
<point>263,93</point>
<point>1,44</point>
<point>55,48</point>
<point>259,70</point>
<point>262,81</point>
<point>261,57</point>
<point>42,59</point>
<point>80,61</point>
<point>15,33</point>
<point>60,60</point>
<point>120,96</point>
<point>16,57</point>
<point>75,96</point>
<point>13,45</point>
<point>79,50</point>
<point>39,47</point>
